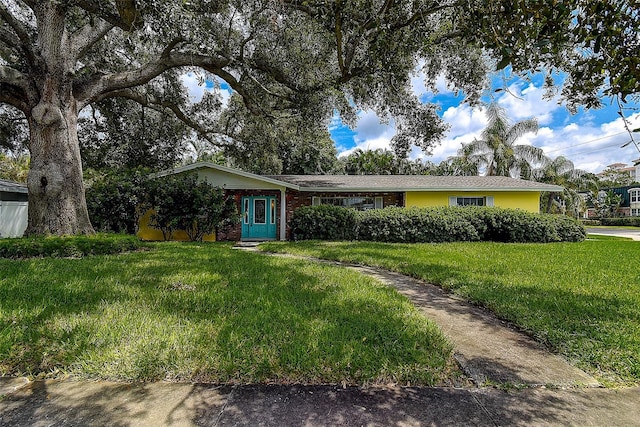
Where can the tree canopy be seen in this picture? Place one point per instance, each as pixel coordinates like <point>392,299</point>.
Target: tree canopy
<point>285,58</point>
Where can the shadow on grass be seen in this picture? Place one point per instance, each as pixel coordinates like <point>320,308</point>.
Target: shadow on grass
<point>205,312</point>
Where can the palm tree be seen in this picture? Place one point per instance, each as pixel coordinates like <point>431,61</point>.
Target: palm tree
<point>497,152</point>
<point>561,171</point>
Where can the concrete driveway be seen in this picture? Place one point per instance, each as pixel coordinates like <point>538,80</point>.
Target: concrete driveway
<point>614,231</point>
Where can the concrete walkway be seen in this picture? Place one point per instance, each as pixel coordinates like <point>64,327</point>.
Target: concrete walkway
<point>488,350</point>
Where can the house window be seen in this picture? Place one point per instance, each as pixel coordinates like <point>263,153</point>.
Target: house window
<point>635,212</point>
<point>634,195</point>
<point>358,203</point>
<point>259,211</point>
<point>273,211</point>
<point>470,201</point>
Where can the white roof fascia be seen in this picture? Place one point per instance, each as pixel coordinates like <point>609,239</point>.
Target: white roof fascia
<point>436,189</point>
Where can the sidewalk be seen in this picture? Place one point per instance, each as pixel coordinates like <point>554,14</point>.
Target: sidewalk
<point>613,231</point>
<point>535,388</point>
<point>65,403</point>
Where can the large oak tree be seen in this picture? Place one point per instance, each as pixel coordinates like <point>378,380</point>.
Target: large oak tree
<point>283,57</point>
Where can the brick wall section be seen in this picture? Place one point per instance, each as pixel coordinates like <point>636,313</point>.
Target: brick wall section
<point>296,199</point>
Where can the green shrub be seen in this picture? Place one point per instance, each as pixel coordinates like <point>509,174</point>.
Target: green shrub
<point>588,222</point>
<point>114,200</point>
<point>413,225</point>
<point>71,246</point>
<point>324,222</point>
<point>628,221</point>
<point>440,224</point>
<point>183,203</point>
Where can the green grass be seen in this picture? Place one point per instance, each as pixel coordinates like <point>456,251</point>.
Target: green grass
<point>580,299</point>
<point>206,312</point>
<point>68,246</point>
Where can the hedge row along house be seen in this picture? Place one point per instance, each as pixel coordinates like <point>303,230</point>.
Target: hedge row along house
<point>266,202</point>
<point>14,201</point>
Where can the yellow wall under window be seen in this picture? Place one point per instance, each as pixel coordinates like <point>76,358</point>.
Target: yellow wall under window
<point>525,200</point>
<point>146,232</point>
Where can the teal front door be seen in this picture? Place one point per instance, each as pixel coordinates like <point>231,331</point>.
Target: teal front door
<point>259,218</point>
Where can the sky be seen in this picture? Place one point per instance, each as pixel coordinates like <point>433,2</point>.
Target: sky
<point>591,139</point>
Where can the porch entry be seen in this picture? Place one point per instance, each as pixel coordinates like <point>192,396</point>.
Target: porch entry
<point>259,218</point>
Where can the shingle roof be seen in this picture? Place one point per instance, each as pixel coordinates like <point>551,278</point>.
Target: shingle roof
<point>12,187</point>
<point>411,183</point>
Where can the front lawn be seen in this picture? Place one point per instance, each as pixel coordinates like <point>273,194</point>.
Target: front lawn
<point>580,299</point>
<point>206,312</point>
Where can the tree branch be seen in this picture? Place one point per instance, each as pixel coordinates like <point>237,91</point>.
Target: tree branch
<point>120,20</point>
<point>162,106</point>
<point>9,38</point>
<point>11,95</point>
<point>83,39</point>
<point>22,33</point>
<point>90,90</point>
<point>11,76</point>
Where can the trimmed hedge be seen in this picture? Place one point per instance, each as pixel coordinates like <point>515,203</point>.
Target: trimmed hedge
<point>324,222</point>
<point>68,246</point>
<point>633,221</point>
<point>441,224</point>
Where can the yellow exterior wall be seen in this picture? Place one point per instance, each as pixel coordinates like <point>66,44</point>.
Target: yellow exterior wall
<point>146,232</point>
<point>525,200</point>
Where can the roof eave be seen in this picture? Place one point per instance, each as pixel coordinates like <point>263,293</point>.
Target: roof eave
<point>434,189</point>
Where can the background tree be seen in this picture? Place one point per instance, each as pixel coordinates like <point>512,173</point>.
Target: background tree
<point>497,153</point>
<point>457,166</point>
<point>14,134</point>
<point>121,134</point>
<point>307,58</point>
<point>611,177</point>
<point>264,145</point>
<point>606,204</point>
<point>370,162</point>
<point>561,171</point>
<point>381,162</point>
<point>14,168</point>
<point>594,41</point>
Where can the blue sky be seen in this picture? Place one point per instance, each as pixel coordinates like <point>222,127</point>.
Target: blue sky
<point>592,139</point>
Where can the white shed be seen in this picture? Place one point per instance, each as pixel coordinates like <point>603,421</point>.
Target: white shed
<point>13,209</point>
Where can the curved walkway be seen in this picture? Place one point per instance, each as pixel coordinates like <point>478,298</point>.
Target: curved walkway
<point>489,350</point>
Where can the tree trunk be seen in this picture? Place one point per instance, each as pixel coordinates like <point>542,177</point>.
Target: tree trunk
<point>57,202</point>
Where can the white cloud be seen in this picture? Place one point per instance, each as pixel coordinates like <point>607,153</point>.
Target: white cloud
<point>528,103</point>
<point>197,87</point>
<point>590,147</point>
<point>371,133</point>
